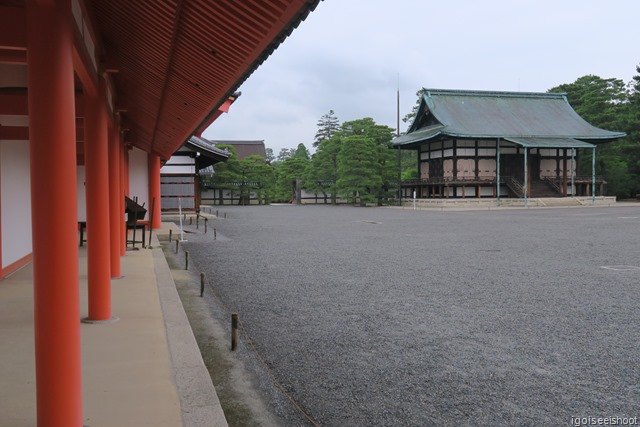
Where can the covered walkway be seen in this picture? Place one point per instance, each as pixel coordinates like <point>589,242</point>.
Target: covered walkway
<point>144,370</point>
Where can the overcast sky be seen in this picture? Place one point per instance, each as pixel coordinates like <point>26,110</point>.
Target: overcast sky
<point>351,56</point>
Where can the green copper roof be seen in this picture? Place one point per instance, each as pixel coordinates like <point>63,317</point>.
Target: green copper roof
<point>508,115</point>
<point>549,142</point>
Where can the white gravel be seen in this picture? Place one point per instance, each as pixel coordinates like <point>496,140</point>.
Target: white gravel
<point>389,317</point>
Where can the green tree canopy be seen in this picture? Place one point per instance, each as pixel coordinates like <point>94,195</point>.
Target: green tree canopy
<point>288,173</point>
<point>322,172</point>
<point>599,101</point>
<point>608,104</point>
<point>301,152</point>
<point>359,174</point>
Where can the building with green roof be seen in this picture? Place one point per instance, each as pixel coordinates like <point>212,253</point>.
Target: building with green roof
<point>500,144</point>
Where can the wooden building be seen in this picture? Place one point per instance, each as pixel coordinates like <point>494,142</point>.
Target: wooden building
<point>500,144</point>
<point>180,175</point>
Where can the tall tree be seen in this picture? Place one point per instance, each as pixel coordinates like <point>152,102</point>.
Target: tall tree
<point>603,103</point>
<point>258,177</point>
<point>270,156</point>
<point>359,176</point>
<point>631,151</point>
<point>414,111</point>
<point>225,172</point>
<point>284,154</point>
<point>597,100</point>
<point>322,172</point>
<point>288,176</point>
<point>328,125</point>
<point>384,156</point>
<point>301,152</point>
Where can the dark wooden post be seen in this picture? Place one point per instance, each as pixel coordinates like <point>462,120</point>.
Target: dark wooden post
<point>234,331</point>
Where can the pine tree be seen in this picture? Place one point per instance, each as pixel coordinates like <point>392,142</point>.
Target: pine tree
<point>322,172</point>
<point>328,125</point>
<point>359,176</point>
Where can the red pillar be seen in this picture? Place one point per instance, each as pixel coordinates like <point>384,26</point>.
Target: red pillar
<point>154,188</point>
<point>52,134</point>
<point>96,156</point>
<point>115,194</point>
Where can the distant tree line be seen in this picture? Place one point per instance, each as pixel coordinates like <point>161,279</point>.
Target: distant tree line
<point>353,161</point>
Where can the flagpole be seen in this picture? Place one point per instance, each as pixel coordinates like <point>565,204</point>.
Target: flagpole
<point>398,134</point>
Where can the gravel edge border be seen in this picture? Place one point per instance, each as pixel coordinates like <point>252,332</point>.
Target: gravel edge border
<point>199,403</point>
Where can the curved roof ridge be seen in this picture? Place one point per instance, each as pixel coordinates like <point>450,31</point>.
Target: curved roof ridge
<point>495,93</point>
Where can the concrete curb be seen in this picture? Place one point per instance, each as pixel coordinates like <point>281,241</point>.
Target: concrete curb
<point>199,402</point>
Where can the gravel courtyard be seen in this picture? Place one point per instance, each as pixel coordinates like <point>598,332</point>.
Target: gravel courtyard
<point>390,317</point>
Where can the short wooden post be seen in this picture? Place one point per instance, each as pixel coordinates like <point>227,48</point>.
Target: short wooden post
<point>177,243</point>
<point>234,331</point>
<point>186,260</point>
<point>170,234</point>
<point>190,220</point>
<point>205,225</point>
<point>216,213</point>
<point>201,284</point>
<point>198,220</point>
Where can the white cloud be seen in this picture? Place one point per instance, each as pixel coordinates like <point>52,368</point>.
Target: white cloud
<point>348,54</point>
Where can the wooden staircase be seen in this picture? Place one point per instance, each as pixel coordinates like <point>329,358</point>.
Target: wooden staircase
<point>543,189</point>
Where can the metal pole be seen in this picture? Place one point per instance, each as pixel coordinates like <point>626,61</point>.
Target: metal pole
<point>526,179</point>
<point>593,177</point>
<point>399,178</point>
<point>397,135</point>
<point>497,170</point>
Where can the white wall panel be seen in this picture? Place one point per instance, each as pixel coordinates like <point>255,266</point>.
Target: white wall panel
<point>181,160</point>
<point>173,170</point>
<point>82,193</point>
<point>139,178</point>
<point>15,193</point>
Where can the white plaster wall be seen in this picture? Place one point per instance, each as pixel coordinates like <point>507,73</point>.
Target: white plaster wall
<point>15,193</point>
<point>178,170</point>
<point>82,193</point>
<point>139,178</point>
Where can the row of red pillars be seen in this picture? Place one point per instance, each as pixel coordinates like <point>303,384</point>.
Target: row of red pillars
<point>52,127</point>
